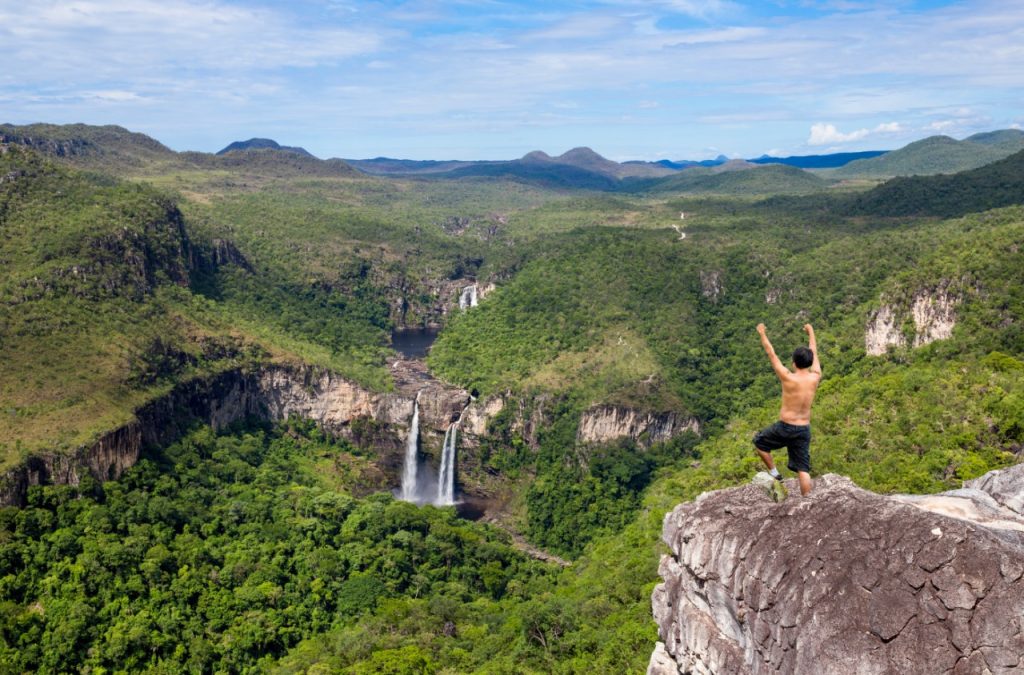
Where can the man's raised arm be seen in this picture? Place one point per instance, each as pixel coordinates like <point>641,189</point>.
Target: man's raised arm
<point>777,366</point>
<point>813,344</point>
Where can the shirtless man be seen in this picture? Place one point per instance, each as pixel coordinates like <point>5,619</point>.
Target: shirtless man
<point>793,430</point>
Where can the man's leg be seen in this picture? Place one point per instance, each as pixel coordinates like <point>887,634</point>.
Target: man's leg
<point>766,457</point>
<point>805,482</point>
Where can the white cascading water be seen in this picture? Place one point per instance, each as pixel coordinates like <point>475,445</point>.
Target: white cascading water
<point>411,455</point>
<point>446,479</point>
<point>468,297</point>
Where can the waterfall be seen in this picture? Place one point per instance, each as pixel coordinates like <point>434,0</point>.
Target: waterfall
<point>446,479</point>
<point>468,297</point>
<point>409,492</point>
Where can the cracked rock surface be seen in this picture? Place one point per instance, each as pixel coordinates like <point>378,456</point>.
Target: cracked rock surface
<point>844,581</point>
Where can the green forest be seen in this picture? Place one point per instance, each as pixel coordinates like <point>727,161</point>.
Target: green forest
<point>132,270</point>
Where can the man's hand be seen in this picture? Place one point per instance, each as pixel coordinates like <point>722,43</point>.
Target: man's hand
<point>808,329</point>
<point>760,329</point>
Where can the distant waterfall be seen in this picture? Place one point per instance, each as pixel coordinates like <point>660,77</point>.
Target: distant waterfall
<point>468,297</point>
<point>409,492</point>
<point>446,480</point>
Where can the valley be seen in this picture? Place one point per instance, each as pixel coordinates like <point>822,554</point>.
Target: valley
<point>263,412</point>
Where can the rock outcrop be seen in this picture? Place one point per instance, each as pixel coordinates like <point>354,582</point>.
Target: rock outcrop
<point>844,581</point>
<point>607,423</point>
<point>273,393</point>
<point>883,332</point>
<point>933,311</point>
<point>711,284</point>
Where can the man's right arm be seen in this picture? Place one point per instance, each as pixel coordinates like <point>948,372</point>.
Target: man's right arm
<point>777,366</point>
<point>812,343</point>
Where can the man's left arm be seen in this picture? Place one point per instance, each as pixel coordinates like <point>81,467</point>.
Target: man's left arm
<point>812,343</point>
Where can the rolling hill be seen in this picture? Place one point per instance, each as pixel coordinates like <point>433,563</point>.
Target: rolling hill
<point>261,144</point>
<point>937,154</point>
<point>743,178</point>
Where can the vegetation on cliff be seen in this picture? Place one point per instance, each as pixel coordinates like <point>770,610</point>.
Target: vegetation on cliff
<point>250,552</point>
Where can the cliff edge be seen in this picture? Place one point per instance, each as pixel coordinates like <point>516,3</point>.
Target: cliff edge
<point>844,581</point>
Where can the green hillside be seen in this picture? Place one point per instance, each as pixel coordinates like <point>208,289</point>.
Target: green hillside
<point>108,147</point>
<point>937,154</point>
<point>109,297</point>
<point>991,186</point>
<point>762,180</point>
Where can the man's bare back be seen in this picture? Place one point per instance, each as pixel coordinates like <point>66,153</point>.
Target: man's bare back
<point>798,388</point>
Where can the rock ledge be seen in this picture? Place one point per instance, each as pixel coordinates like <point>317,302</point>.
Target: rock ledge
<point>844,581</point>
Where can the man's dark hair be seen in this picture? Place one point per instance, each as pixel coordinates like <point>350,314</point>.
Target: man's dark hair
<point>803,357</point>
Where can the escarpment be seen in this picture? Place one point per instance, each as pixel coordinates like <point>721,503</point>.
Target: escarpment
<point>606,423</point>
<point>844,581</point>
<point>273,393</point>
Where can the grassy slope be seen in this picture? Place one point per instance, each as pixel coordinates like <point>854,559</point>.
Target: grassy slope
<point>937,154</point>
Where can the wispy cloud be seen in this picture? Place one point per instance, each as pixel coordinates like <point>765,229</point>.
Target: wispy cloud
<point>374,78</point>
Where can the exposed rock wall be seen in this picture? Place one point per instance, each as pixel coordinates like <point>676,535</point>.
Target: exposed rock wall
<point>844,581</point>
<point>883,331</point>
<point>933,311</point>
<point>273,393</point>
<point>934,315</point>
<point>711,284</point>
<point>607,423</point>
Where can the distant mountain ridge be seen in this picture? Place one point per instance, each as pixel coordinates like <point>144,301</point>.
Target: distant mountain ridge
<point>831,161</point>
<point>117,150</point>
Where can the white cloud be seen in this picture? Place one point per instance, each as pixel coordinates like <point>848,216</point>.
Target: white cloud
<point>889,128</point>
<point>828,134</point>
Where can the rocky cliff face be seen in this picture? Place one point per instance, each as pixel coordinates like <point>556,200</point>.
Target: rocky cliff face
<point>933,311</point>
<point>273,393</point>
<point>844,581</point>
<point>711,284</point>
<point>607,423</point>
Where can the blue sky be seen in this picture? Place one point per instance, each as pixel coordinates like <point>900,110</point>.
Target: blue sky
<point>444,79</point>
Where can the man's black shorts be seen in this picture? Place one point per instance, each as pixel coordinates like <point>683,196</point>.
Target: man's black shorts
<point>796,440</point>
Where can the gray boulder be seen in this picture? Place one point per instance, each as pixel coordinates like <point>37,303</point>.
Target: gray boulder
<point>843,581</point>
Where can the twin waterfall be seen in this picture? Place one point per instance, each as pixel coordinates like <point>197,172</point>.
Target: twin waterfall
<point>409,477</point>
<point>417,488</point>
<point>446,480</point>
<point>414,488</point>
